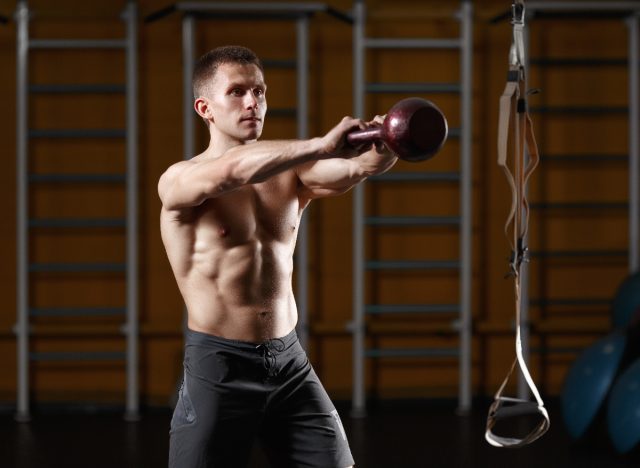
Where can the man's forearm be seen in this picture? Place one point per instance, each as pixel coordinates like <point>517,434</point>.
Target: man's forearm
<point>372,163</point>
<point>256,162</point>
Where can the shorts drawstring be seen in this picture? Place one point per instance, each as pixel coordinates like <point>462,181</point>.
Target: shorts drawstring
<point>268,358</point>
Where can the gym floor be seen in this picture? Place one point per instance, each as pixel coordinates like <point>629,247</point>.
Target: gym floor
<point>395,434</point>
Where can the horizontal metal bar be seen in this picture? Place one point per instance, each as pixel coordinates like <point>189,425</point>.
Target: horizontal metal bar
<point>249,15</point>
<point>542,302</point>
<point>579,253</point>
<point>416,177</point>
<point>583,6</point>
<point>77,223</point>
<point>78,356</point>
<point>579,110</point>
<point>556,350</point>
<point>585,205</point>
<point>585,158</point>
<point>412,264</point>
<point>346,17</point>
<point>76,267</point>
<point>77,133</point>
<point>413,352</point>
<point>76,178</point>
<point>577,61</point>
<point>412,220</point>
<point>411,308</point>
<point>574,10</point>
<point>421,88</point>
<point>77,88</point>
<point>252,7</point>
<point>76,311</point>
<point>574,15</point>
<point>260,10</point>
<point>77,43</point>
<point>411,43</point>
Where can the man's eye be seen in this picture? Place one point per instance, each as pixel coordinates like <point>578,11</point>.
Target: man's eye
<point>236,92</point>
<point>258,92</point>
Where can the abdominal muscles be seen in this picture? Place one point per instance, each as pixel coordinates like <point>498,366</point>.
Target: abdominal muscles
<point>241,292</point>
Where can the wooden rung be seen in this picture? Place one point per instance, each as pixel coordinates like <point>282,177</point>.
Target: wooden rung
<point>571,326</point>
<point>549,326</point>
<point>409,328</point>
<point>494,328</point>
<point>329,328</point>
<point>76,330</point>
<point>111,330</point>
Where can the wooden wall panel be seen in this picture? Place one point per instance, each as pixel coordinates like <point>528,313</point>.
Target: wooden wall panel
<point>161,308</point>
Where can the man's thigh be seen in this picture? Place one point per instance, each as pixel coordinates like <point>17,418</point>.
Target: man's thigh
<point>303,427</point>
<point>213,425</point>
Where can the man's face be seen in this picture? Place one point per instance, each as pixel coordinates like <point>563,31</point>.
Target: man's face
<point>237,101</point>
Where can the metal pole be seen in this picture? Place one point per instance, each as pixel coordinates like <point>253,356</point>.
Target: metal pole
<point>358,325</point>
<point>464,396</point>
<point>132,328</point>
<point>22,213</point>
<point>302,253</point>
<point>188,61</point>
<point>634,146</point>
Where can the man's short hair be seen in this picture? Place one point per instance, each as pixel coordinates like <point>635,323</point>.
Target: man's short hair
<point>207,65</point>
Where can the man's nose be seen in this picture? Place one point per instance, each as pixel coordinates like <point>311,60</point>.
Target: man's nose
<point>251,101</point>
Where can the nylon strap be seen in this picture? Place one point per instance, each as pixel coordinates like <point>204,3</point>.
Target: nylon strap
<point>514,118</point>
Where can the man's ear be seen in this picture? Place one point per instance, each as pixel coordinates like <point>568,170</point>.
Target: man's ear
<point>202,108</point>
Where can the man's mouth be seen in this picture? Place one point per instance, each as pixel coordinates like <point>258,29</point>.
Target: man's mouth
<point>251,118</point>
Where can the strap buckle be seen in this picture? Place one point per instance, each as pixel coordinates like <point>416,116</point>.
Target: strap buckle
<point>518,257</point>
<point>516,53</point>
<point>517,13</point>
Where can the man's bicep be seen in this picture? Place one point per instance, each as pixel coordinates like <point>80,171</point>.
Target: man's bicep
<point>189,184</point>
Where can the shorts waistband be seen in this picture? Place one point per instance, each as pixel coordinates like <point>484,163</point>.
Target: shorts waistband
<point>193,337</point>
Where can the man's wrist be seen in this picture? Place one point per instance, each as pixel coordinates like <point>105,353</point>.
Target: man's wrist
<point>318,149</point>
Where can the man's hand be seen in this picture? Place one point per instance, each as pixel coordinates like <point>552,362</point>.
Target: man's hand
<point>334,143</point>
<point>379,149</point>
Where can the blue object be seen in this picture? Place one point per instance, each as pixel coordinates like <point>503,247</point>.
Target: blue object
<point>623,412</point>
<point>626,303</point>
<point>589,380</point>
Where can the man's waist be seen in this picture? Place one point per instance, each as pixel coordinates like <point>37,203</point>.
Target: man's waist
<point>199,338</point>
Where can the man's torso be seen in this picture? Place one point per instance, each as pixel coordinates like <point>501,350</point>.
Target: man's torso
<point>232,257</point>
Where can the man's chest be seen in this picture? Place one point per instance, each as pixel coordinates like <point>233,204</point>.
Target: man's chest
<point>270,209</point>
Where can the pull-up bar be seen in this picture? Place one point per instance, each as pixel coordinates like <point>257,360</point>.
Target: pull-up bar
<point>248,10</point>
<point>576,10</point>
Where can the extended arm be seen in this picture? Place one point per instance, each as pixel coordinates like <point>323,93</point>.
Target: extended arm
<point>190,183</point>
<point>335,176</point>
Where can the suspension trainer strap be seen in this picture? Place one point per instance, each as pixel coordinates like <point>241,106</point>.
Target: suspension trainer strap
<point>514,119</point>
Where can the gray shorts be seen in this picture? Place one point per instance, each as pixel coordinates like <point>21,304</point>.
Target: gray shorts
<point>235,392</point>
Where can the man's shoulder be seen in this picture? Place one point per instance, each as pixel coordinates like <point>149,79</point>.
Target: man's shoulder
<point>170,174</point>
<point>176,168</point>
<point>180,165</point>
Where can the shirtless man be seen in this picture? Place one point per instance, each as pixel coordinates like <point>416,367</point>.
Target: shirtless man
<point>229,222</point>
